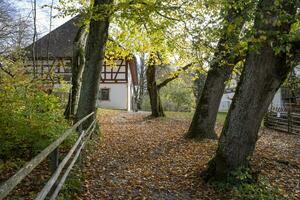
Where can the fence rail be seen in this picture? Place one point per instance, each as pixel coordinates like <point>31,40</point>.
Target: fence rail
<point>13,181</point>
<point>286,119</point>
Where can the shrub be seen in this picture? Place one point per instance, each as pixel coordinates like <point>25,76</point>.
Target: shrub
<point>30,119</point>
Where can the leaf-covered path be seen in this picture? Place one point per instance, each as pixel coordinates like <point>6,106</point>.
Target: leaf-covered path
<point>140,158</point>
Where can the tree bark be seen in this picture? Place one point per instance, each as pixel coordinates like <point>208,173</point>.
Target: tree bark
<point>263,74</point>
<point>141,90</point>
<point>94,56</point>
<point>34,56</point>
<point>154,88</point>
<point>153,91</point>
<point>198,86</point>
<point>78,62</point>
<point>225,58</point>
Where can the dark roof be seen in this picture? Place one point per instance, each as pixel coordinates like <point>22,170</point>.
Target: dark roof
<point>60,44</point>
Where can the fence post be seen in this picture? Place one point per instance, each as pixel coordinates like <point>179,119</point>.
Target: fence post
<point>266,118</point>
<point>289,119</point>
<point>54,160</point>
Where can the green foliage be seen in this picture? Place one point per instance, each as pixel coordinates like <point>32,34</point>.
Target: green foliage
<point>138,27</point>
<point>30,118</point>
<point>221,117</point>
<point>242,184</point>
<point>175,96</point>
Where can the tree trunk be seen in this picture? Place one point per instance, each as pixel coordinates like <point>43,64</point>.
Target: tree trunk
<point>94,56</point>
<point>153,91</point>
<point>263,74</point>
<point>154,88</point>
<point>225,58</point>
<point>34,53</point>
<point>198,86</point>
<point>141,90</point>
<point>78,62</point>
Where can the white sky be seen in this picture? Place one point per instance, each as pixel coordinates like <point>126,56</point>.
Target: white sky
<point>43,23</point>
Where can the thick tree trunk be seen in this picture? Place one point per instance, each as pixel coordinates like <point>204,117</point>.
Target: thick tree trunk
<point>226,56</point>
<point>205,115</point>
<point>153,91</point>
<point>94,56</point>
<point>78,62</point>
<point>263,74</point>
<point>198,86</point>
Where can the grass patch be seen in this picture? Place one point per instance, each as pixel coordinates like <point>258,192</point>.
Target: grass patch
<point>102,112</point>
<point>242,184</point>
<point>179,115</point>
<point>221,117</point>
<point>189,115</point>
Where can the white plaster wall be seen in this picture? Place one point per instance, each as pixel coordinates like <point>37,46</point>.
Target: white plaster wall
<point>226,101</point>
<point>277,100</point>
<point>118,96</point>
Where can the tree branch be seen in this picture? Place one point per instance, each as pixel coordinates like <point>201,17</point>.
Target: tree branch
<point>6,71</point>
<point>165,82</point>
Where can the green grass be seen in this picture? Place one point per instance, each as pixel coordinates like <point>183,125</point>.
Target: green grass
<point>189,115</point>
<point>179,115</point>
<point>221,117</point>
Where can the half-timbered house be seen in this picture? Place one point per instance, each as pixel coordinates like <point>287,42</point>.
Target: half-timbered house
<point>53,57</point>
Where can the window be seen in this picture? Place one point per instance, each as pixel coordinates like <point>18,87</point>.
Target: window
<point>104,94</point>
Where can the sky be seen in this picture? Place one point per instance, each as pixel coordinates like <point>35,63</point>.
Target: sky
<point>43,19</point>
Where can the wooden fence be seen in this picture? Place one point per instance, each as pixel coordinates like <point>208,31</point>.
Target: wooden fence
<point>57,179</point>
<point>286,119</point>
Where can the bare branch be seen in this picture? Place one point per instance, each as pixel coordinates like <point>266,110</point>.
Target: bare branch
<point>6,71</point>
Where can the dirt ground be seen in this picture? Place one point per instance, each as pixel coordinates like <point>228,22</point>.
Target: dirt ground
<point>142,158</point>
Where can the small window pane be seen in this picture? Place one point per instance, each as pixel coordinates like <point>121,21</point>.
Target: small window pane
<point>104,94</point>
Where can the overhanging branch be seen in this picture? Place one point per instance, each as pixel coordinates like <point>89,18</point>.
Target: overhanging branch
<point>176,75</point>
